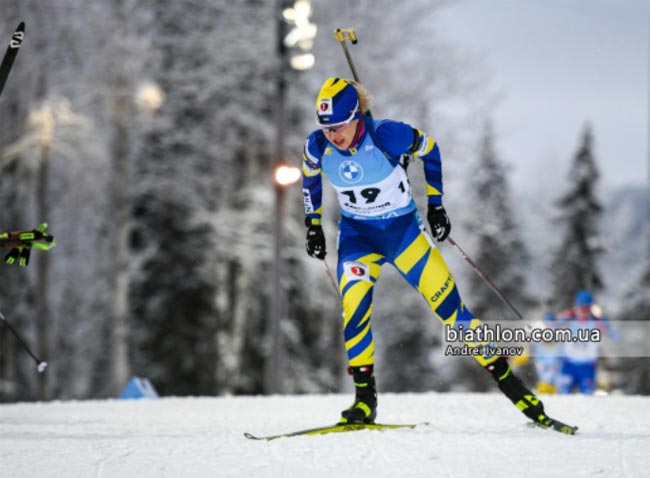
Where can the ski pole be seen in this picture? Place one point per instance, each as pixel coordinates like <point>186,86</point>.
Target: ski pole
<point>331,276</point>
<point>10,55</point>
<point>40,365</point>
<point>486,279</point>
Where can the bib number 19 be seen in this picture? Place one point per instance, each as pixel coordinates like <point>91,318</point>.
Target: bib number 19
<point>369,194</point>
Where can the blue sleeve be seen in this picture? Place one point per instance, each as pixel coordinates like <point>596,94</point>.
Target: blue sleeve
<point>400,138</point>
<point>396,138</point>
<point>312,182</point>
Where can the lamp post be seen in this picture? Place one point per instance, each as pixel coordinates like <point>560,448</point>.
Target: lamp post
<point>299,37</point>
<point>284,177</point>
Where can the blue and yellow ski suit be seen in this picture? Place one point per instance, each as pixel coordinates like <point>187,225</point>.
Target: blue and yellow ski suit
<point>380,223</point>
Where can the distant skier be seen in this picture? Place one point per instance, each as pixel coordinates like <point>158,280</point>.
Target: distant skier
<point>379,223</point>
<point>21,243</point>
<point>580,357</point>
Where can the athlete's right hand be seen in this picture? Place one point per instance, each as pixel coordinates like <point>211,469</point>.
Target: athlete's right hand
<point>316,242</point>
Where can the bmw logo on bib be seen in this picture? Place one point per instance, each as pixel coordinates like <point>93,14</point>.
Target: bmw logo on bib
<point>350,171</point>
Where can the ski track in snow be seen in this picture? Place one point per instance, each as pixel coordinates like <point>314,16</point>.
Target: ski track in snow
<point>469,435</point>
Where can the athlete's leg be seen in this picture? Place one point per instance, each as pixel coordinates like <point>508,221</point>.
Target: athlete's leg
<point>358,270</point>
<point>420,262</point>
<point>566,380</point>
<point>422,265</point>
<point>586,378</point>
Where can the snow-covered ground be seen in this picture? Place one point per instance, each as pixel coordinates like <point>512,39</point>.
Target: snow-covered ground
<point>470,435</point>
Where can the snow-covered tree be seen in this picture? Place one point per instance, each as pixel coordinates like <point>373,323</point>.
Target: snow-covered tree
<point>574,263</point>
<point>205,208</point>
<point>500,251</point>
<point>185,168</point>
<point>58,161</point>
<point>40,169</point>
<point>498,248</point>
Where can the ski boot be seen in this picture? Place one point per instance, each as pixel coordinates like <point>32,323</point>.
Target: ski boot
<point>513,388</point>
<point>364,408</point>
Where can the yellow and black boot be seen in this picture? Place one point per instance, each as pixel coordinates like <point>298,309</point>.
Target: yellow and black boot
<point>364,408</point>
<point>513,388</point>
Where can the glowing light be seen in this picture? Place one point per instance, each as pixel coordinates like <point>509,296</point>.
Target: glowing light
<point>302,34</point>
<point>149,97</point>
<point>302,62</point>
<point>286,175</point>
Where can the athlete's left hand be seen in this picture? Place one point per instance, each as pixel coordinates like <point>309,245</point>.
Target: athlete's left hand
<point>439,222</point>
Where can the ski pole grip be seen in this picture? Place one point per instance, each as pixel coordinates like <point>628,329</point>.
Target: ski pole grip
<point>343,34</point>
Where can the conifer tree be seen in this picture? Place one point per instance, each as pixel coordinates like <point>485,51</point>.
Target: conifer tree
<point>501,252</point>
<point>575,260</point>
<point>498,248</point>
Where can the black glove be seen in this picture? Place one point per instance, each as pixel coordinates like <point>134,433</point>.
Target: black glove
<point>316,242</point>
<point>439,222</point>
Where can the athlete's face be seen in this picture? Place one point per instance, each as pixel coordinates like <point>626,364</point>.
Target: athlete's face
<point>342,136</point>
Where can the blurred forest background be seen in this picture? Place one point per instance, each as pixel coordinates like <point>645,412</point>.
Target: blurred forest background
<point>145,133</point>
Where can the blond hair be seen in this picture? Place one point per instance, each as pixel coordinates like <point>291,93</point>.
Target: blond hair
<point>365,99</point>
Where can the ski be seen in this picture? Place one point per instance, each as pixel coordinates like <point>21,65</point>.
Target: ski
<point>338,428</point>
<point>556,425</point>
<point>10,55</point>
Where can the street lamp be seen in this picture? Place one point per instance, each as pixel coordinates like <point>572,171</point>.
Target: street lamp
<point>301,37</point>
<point>286,175</point>
<point>149,97</point>
<point>292,50</point>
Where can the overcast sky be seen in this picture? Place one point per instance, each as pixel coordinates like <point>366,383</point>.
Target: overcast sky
<point>561,63</point>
